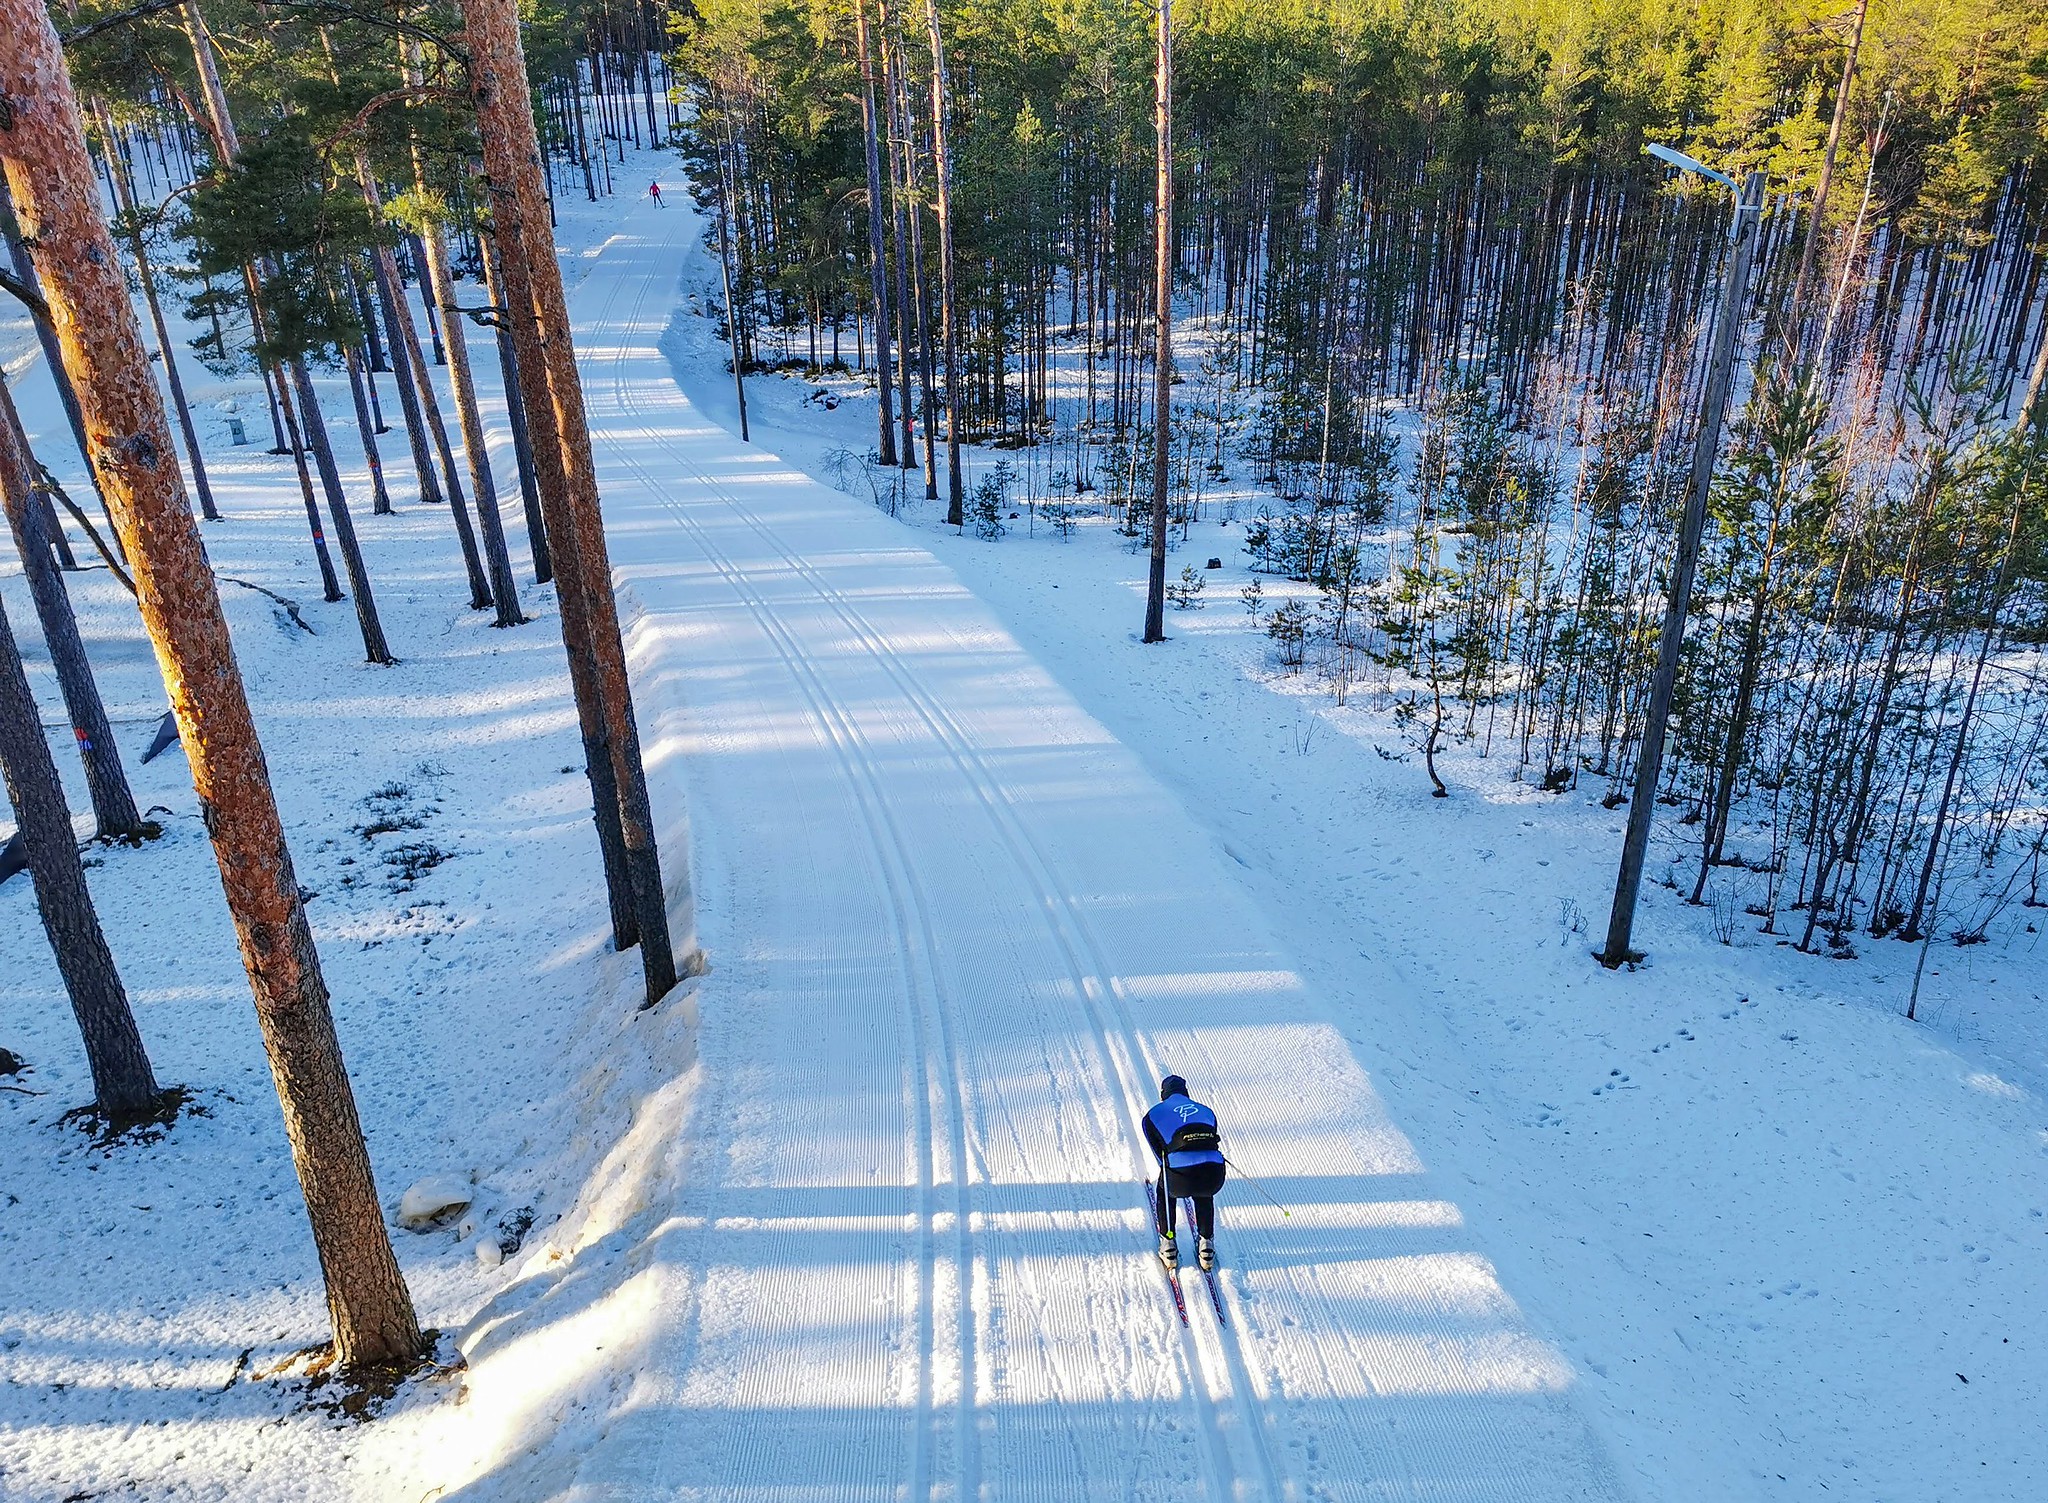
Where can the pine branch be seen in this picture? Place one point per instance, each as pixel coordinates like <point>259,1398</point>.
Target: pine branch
<point>335,10</point>
<point>108,23</point>
<point>33,299</point>
<point>405,95</point>
<point>49,483</point>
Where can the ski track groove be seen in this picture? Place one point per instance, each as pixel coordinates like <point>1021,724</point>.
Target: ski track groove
<point>781,1315</point>
<point>924,990</point>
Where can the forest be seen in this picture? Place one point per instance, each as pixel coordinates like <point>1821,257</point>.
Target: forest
<point>1442,338</point>
<point>1715,494</point>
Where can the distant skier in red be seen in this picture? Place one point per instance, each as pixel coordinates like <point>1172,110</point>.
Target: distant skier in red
<point>1183,1136</point>
<point>654,189</point>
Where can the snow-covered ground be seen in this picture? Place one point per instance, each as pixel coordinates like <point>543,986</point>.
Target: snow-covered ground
<point>859,1217</point>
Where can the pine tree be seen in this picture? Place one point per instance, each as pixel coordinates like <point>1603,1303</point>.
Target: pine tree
<point>538,313</point>
<point>48,170</point>
<point>113,803</point>
<point>124,1087</point>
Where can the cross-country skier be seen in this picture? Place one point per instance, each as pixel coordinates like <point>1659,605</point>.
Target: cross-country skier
<point>1185,1140</point>
<point>655,190</point>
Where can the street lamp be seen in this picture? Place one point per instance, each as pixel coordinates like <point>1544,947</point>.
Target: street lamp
<point>1749,199</point>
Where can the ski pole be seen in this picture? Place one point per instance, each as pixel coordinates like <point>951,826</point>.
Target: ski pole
<point>1256,1185</point>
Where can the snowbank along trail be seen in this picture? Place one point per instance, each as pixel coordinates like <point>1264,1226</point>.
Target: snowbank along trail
<point>957,934</point>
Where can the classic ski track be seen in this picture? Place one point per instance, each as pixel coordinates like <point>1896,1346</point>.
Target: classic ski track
<point>919,1088</point>
<point>927,998</point>
<point>1057,904</point>
<point>1094,978</point>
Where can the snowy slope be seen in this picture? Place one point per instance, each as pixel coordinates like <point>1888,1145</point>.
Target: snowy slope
<point>957,931</point>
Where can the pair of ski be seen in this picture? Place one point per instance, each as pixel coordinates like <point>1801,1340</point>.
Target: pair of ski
<point>1180,1303</point>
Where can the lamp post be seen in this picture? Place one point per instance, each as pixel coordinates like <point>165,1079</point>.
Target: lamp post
<point>1749,197</point>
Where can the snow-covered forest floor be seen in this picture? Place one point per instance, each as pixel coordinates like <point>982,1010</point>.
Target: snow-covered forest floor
<point>439,814</point>
<point>1765,1235</point>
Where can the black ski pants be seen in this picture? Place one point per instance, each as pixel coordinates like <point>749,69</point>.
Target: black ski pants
<point>1200,1184</point>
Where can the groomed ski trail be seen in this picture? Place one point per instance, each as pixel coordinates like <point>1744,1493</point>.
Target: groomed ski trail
<point>957,934</point>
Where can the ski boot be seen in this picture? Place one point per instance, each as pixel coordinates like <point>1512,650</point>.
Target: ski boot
<point>1169,1253</point>
<point>1205,1253</point>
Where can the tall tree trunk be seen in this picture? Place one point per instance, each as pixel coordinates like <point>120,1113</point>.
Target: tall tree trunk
<point>330,584</point>
<point>900,108</point>
<point>515,414</point>
<point>426,403</point>
<point>403,345</point>
<point>878,263</point>
<point>504,590</point>
<point>124,1087</point>
<point>1795,305</point>
<point>533,284</point>
<point>366,425</point>
<point>42,149</point>
<point>949,313</point>
<point>734,338</point>
<point>124,197</point>
<point>897,187</point>
<point>113,803</point>
<point>422,403</point>
<point>24,268</point>
<point>1162,313</point>
<point>576,628</point>
<point>375,648</point>
<point>440,288</point>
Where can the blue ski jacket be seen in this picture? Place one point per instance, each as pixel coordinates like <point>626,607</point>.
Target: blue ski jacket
<point>1183,1133</point>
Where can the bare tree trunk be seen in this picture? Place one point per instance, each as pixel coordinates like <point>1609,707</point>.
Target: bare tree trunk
<point>441,289</point>
<point>124,192</point>
<point>901,107</point>
<point>288,410</point>
<point>113,803</point>
<point>375,648</point>
<point>733,338</point>
<point>949,313</point>
<point>504,589</point>
<point>515,414</point>
<point>425,403</point>
<point>898,185</point>
<point>878,261</point>
<point>1162,313</point>
<point>366,424</point>
<point>43,152</point>
<point>124,1087</point>
<point>24,268</point>
<point>583,680</point>
<point>1809,253</point>
<point>533,285</point>
<point>397,322</point>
